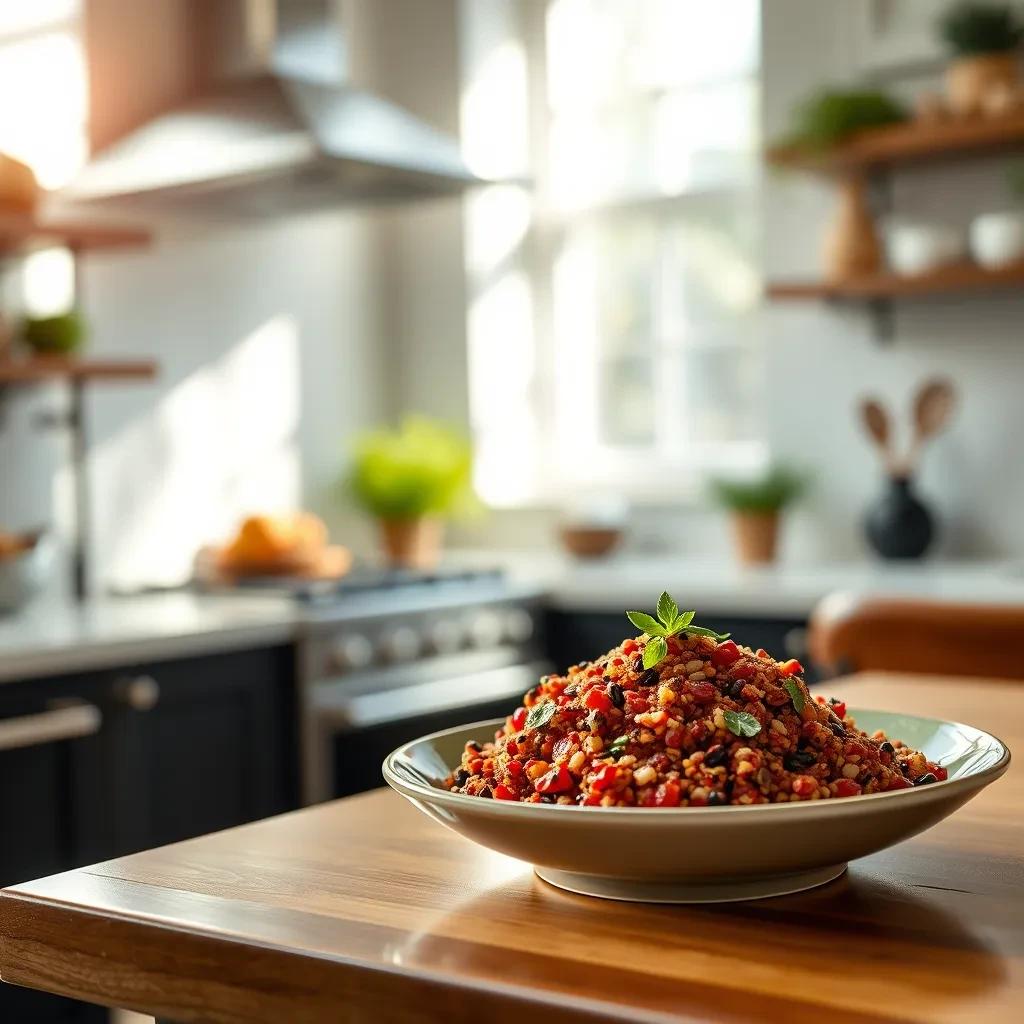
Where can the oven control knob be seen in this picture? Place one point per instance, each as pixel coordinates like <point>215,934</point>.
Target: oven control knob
<point>485,629</point>
<point>402,644</point>
<point>354,651</point>
<point>518,625</point>
<point>445,636</point>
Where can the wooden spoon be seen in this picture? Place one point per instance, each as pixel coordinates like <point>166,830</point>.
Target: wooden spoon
<point>876,421</point>
<point>933,407</point>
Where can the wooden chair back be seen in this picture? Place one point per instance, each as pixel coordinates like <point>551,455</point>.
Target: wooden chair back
<point>852,633</point>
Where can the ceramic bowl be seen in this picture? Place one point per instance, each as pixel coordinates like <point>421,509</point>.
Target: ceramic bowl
<point>701,854</point>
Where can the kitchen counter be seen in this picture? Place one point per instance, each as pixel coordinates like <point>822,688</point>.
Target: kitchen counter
<point>366,909</point>
<point>52,638</point>
<point>718,587</point>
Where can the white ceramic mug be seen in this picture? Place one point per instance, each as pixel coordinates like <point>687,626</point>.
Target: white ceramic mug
<point>918,248</point>
<point>997,239</point>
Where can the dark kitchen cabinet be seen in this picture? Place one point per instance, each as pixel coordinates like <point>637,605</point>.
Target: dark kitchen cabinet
<point>99,764</point>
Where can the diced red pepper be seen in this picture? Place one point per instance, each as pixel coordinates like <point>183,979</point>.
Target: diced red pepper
<point>515,769</point>
<point>511,747</point>
<point>503,793</point>
<point>592,800</point>
<point>744,671</point>
<point>674,738</point>
<point>562,700</point>
<point>847,787</point>
<point>762,653</point>
<point>605,778</point>
<point>839,708</point>
<point>630,647</point>
<point>597,699</point>
<point>703,693</point>
<point>667,795</point>
<point>558,780</point>
<point>476,766</point>
<point>938,771</point>
<point>804,785</point>
<point>725,654</point>
<point>898,782</point>
<point>519,719</point>
<point>636,704</point>
<point>791,668</point>
<point>618,661</point>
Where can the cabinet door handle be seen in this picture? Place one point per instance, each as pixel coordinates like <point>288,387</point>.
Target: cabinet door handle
<point>62,722</point>
<point>142,693</point>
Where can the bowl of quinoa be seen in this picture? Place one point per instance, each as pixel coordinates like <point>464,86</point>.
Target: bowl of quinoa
<point>710,766</point>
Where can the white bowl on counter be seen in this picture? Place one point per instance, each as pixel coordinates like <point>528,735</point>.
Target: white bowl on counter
<point>701,854</point>
<point>23,575</point>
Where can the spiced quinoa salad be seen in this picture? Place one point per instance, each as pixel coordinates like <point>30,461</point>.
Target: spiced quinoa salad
<point>681,716</point>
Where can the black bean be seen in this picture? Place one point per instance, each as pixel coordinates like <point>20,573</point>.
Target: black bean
<point>837,727</point>
<point>487,793</point>
<point>649,678</point>
<point>716,756</point>
<point>736,689</point>
<point>548,799</point>
<point>834,701</point>
<point>638,665</point>
<point>798,761</point>
<point>617,696</point>
<point>925,780</point>
<point>904,770</point>
<point>716,799</point>
<point>461,777</point>
<point>887,747</point>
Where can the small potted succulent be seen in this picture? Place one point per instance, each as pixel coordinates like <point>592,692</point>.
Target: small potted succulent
<point>410,479</point>
<point>755,506</point>
<point>985,42</point>
<point>997,239</point>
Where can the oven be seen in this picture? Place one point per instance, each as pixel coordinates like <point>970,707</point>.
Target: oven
<point>407,664</point>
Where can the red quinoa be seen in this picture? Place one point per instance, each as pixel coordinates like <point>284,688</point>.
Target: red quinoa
<point>610,733</point>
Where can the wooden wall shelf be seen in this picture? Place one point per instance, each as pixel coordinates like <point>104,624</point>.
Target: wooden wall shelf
<point>914,142</point>
<point>19,231</point>
<point>39,368</point>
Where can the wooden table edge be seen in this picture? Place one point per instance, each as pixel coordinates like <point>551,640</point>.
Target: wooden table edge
<point>28,954</point>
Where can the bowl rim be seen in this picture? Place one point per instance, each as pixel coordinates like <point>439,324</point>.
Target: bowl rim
<point>971,781</point>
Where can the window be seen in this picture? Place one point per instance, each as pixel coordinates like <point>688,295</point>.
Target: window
<point>612,326</point>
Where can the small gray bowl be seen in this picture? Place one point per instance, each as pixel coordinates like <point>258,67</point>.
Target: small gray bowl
<point>23,575</point>
<point>701,854</point>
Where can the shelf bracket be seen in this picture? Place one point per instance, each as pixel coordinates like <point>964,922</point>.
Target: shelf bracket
<point>883,320</point>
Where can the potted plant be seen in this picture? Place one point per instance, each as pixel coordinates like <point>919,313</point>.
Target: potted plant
<point>755,506</point>
<point>997,239</point>
<point>984,40</point>
<point>410,479</point>
<point>824,120</point>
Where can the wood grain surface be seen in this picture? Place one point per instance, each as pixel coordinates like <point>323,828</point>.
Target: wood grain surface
<point>366,910</point>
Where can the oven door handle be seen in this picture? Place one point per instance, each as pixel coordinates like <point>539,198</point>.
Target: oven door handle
<point>348,713</point>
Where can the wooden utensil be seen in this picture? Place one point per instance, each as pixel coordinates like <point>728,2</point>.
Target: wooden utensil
<point>876,422</point>
<point>933,407</point>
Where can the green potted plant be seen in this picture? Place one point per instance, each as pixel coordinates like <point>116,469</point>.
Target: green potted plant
<point>410,479</point>
<point>984,40</point>
<point>62,334</point>
<point>825,119</point>
<point>755,506</point>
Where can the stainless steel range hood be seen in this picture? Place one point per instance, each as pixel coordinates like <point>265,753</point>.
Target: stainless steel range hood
<point>276,126</point>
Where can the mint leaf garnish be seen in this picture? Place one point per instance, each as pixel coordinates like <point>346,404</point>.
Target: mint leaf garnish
<point>792,687</point>
<point>655,650</point>
<point>742,723</point>
<point>540,714</point>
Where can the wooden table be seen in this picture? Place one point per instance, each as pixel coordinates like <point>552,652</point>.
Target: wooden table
<point>365,910</point>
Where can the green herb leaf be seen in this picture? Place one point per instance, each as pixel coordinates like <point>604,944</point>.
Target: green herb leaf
<point>616,748</point>
<point>655,650</point>
<point>540,714</point>
<point>668,610</point>
<point>680,622</point>
<point>742,723</point>
<point>792,687</point>
<point>646,623</point>
<point>701,631</point>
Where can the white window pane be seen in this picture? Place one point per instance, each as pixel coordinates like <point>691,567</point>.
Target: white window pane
<point>21,16</point>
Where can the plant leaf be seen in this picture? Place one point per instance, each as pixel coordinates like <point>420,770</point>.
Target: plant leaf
<point>668,610</point>
<point>681,621</point>
<point>701,631</point>
<point>616,748</point>
<point>792,687</point>
<point>540,714</point>
<point>646,623</point>
<point>654,652</point>
<point>742,723</point>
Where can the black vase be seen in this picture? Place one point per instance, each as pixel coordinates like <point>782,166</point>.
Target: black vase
<point>898,525</point>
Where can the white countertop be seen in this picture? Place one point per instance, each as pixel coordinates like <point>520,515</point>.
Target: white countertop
<point>635,581</point>
<point>51,638</point>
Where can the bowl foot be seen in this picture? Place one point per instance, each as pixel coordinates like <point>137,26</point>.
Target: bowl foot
<point>712,891</point>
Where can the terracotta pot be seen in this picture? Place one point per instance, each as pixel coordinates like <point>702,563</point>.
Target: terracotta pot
<point>756,535</point>
<point>969,80</point>
<point>590,541</point>
<point>852,247</point>
<point>412,543</point>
